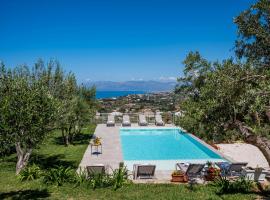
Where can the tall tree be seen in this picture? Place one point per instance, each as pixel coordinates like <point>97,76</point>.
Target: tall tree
<point>35,101</point>
<point>253,41</point>
<point>27,110</point>
<point>231,99</point>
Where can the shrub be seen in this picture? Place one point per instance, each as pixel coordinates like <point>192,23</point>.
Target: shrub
<point>120,177</point>
<point>80,178</point>
<point>241,185</point>
<point>30,173</point>
<point>100,181</point>
<point>58,175</point>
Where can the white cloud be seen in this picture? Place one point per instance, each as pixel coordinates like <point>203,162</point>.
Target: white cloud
<point>87,79</point>
<point>170,78</point>
<point>137,79</point>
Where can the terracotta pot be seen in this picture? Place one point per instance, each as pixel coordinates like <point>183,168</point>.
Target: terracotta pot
<point>179,178</point>
<point>211,176</point>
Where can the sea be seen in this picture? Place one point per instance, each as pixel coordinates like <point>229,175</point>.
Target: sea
<point>115,94</point>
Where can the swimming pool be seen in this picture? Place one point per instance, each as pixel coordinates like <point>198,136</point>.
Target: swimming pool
<point>164,147</point>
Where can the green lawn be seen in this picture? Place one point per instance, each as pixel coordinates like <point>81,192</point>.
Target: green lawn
<point>53,153</point>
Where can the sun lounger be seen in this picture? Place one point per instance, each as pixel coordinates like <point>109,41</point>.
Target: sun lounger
<point>126,121</point>
<point>97,169</point>
<point>159,121</point>
<point>224,167</point>
<point>110,121</point>
<point>142,171</point>
<point>191,170</point>
<point>236,168</point>
<point>142,120</point>
<point>232,169</point>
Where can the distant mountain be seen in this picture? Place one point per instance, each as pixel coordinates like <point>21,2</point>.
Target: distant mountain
<point>146,86</point>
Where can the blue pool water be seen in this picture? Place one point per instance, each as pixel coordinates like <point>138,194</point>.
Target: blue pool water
<point>162,144</point>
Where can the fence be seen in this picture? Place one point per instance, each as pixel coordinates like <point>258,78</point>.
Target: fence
<point>167,117</point>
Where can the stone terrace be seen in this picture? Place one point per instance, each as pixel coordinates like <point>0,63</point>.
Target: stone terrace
<point>112,151</point>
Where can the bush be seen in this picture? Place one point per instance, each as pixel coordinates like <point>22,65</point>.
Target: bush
<point>80,178</point>
<point>30,173</point>
<point>120,177</point>
<point>241,185</point>
<point>117,179</point>
<point>100,181</point>
<point>58,176</point>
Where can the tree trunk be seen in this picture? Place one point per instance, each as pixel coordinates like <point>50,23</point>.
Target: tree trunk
<point>259,141</point>
<point>267,112</point>
<point>65,136</point>
<point>23,156</point>
<point>257,118</point>
<point>66,139</point>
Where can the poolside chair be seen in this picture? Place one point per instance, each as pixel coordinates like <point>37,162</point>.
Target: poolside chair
<point>142,120</point>
<point>126,121</point>
<point>143,171</point>
<point>236,168</point>
<point>110,121</point>
<point>97,169</point>
<point>224,167</point>
<point>193,171</point>
<point>159,121</point>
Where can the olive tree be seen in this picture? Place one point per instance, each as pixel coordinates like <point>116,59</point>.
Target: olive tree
<point>27,110</point>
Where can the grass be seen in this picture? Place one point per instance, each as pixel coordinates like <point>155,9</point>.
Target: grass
<point>52,152</point>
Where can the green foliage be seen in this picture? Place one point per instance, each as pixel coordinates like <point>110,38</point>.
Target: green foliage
<point>240,185</point>
<point>76,110</point>
<point>217,96</point>
<point>27,109</point>
<point>80,178</point>
<point>227,93</point>
<point>253,33</point>
<point>117,179</point>
<point>35,101</point>
<point>58,176</point>
<point>120,177</point>
<point>100,181</point>
<point>50,153</point>
<point>30,173</point>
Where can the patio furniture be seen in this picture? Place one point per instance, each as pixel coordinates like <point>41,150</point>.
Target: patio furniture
<point>257,174</point>
<point>193,171</point>
<point>97,147</point>
<point>110,121</point>
<point>143,171</point>
<point>126,121</point>
<point>142,120</point>
<point>224,167</point>
<point>236,168</point>
<point>96,169</point>
<point>159,121</point>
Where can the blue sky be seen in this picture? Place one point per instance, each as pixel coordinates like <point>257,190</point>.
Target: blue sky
<point>117,39</point>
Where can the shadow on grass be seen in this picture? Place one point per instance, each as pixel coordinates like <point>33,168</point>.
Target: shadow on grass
<point>78,139</point>
<point>25,194</point>
<point>45,162</point>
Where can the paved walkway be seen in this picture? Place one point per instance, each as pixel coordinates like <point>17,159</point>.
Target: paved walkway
<point>112,152</point>
<point>243,152</point>
<point>111,148</point>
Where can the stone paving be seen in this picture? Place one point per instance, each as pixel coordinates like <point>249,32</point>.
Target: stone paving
<point>111,154</point>
<point>111,148</point>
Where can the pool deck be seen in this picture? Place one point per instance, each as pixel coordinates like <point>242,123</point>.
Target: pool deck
<point>111,154</point>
